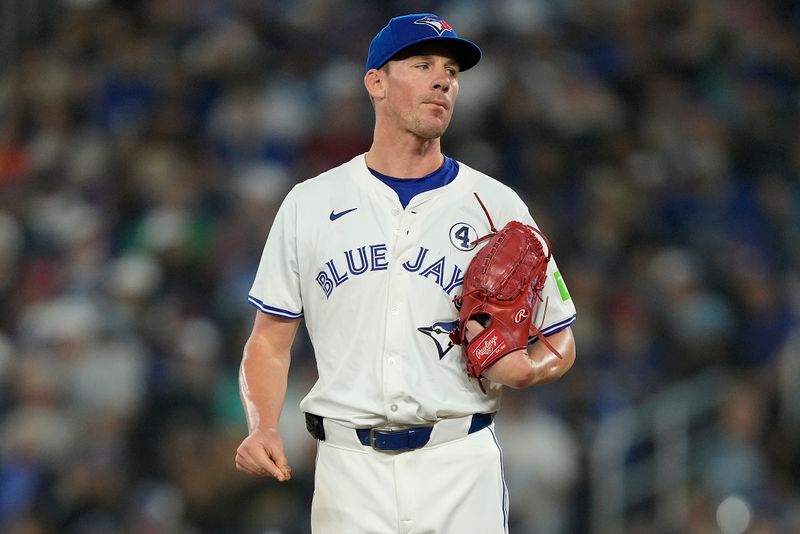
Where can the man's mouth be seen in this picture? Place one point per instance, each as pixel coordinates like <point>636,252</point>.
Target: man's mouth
<point>440,103</point>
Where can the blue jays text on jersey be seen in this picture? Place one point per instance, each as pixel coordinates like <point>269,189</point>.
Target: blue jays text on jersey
<point>370,258</point>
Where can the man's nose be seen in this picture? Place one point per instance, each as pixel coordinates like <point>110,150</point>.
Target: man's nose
<point>442,81</point>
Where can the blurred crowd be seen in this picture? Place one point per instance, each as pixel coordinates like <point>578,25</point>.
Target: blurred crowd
<point>146,145</point>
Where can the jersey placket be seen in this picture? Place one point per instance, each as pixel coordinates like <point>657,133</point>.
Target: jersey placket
<point>394,382</point>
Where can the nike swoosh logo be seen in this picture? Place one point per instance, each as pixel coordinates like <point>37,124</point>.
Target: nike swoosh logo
<point>335,215</point>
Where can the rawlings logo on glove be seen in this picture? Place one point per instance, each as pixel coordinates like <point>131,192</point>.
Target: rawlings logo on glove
<point>502,287</point>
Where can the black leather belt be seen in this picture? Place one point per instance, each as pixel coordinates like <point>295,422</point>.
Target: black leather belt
<point>387,439</point>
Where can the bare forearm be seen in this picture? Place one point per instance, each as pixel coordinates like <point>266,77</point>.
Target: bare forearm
<point>263,380</point>
<point>264,371</point>
<point>263,377</point>
<point>538,365</point>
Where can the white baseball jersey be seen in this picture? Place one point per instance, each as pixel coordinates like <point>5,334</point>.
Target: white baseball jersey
<point>375,284</point>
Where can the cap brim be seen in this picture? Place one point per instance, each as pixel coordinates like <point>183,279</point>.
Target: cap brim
<point>467,53</point>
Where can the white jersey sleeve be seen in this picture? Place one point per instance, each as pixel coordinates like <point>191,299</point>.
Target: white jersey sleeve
<point>276,288</point>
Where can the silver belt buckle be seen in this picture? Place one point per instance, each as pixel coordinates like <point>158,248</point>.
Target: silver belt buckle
<point>379,429</point>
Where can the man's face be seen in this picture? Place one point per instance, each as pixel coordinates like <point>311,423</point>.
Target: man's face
<point>421,90</point>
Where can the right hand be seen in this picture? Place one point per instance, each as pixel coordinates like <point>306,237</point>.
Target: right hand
<point>261,454</point>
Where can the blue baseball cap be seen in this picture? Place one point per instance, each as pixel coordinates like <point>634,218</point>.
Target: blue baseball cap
<point>407,30</point>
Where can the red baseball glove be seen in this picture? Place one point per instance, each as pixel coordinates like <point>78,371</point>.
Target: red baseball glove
<point>502,288</point>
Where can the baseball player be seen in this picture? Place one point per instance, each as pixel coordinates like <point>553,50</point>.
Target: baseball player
<point>372,255</point>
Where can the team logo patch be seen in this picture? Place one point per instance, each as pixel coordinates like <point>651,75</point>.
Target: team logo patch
<point>463,236</point>
<point>439,333</point>
<point>439,25</point>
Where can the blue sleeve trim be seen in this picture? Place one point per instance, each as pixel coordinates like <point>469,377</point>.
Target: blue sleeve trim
<point>554,328</point>
<point>272,310</point>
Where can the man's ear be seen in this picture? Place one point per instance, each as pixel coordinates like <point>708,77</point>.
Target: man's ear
<point>374,82</point>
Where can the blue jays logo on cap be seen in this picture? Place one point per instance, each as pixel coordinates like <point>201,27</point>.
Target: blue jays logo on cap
<point>407,30</point>
<point>439,25</point>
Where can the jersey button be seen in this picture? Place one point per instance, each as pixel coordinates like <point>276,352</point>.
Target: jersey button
<point>395,311</point>
<point>390,361</point>
<point>393,407</point>
<point>395,211</point>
